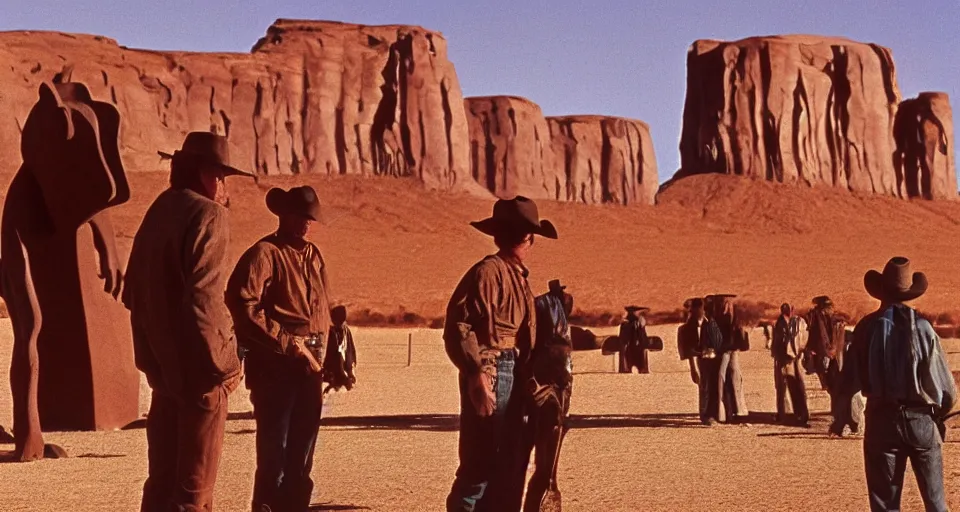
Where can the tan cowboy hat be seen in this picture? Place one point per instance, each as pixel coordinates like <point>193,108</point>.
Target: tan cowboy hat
<point>896,283</point>
<point>518,215</point>
<point>302,201</point>
<point>208,148</point>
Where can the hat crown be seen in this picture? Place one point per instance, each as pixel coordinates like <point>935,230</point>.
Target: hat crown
<point>897,275</point>
<point>209,145</point>
<point>518,208</point>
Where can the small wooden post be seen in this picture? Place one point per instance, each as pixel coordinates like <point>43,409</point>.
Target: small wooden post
<point>409,349</point>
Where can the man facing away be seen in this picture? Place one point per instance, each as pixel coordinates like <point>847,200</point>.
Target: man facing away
<point>181,330</point>
<point>688,344</point>
<point>900,367</point>
<point>277,295</point>
<point>489,334</point>
<point>786,357</point>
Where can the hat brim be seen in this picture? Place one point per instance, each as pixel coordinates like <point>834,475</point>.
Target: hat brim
<point>226,169</point>
<point>873,283</point>
<point>631,309</point>
<point>493,227</point>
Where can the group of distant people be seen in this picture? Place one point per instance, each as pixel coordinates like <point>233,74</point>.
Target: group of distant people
<point>512,351</point>
<point>711,339</point>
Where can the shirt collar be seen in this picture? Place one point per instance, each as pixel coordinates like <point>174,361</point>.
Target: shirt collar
<point>514,264</point>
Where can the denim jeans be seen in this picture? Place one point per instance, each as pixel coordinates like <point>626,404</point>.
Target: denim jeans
<point>486,443</point>
<point>287,412</point>
<point>892,436</point>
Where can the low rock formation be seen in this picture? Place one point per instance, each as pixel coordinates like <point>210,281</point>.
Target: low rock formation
<point>802,109</point>
<point>590,159</point>
<point>925,154</point>
<point>311,97</point>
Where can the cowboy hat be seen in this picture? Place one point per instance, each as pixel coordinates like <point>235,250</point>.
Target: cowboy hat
<point>301,201</point>
<point>631,309</point>
<point>207,148</point>
<point>556,287</point>
<point>896,283</point>
<point>822,300</point>
<point>518,215</point>
<point>694,303</point>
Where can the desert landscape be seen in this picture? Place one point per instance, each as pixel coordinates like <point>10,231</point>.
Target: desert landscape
<point>801,167</point>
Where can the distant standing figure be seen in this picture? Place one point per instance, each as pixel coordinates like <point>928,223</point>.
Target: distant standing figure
<point>711,353</point>
<point>633,336</point>
<point>489,334</point>
<point>340,363</point>
<point>821,346</point>
<point>688,343</point>
<point>786,356</point>
<point>181,329</point>
<point>900,367</point>
<point>278,296</point>
<point>734,341</point>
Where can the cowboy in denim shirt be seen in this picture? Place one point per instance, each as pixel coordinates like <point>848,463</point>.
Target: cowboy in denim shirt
<point>899,365</point>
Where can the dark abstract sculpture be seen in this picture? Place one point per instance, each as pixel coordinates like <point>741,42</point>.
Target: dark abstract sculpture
<point>72,365</point>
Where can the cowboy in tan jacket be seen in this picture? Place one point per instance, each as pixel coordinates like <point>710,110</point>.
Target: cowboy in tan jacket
<point>181,330</point>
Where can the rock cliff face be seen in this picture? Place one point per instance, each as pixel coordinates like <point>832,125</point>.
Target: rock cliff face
<point>311,97</point>
<point>590,159</point>
<point>793,109</point>
<point>925,154</point>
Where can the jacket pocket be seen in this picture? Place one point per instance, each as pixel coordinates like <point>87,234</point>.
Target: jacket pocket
<point>212,399</point>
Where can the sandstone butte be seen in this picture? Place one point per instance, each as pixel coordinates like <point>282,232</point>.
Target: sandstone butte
<point>330,98</point>
<point>816,111</point>
<point>514,149</point>
<point>311,97</point>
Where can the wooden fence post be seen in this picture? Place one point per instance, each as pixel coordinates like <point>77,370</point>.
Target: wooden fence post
<point>409,349</point>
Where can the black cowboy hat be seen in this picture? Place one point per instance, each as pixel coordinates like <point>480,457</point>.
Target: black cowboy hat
<point>694,303</point>
<point>302,201</point>
<point>207,148</point>
<point>822,300</point>
<point>556,287</point>
<point>631,309</point>
<point>518,215</point>
<point>896,283</point>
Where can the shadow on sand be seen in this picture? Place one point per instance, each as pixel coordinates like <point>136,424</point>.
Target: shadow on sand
<point>331,506</point>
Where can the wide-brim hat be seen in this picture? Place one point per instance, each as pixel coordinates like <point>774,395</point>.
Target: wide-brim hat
<point>633,309</point>
<point>301,201</point>
<point>694,303</point>
<point>207,148</point>
<point>896,282</point>
<point>518,215</point>
<point>555,286</point>
<point>822,300</point>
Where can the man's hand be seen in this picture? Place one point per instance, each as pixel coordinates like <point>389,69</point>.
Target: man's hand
<point>480,391</point>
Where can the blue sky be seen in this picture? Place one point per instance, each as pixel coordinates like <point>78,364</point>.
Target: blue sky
<point>612,57</point>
